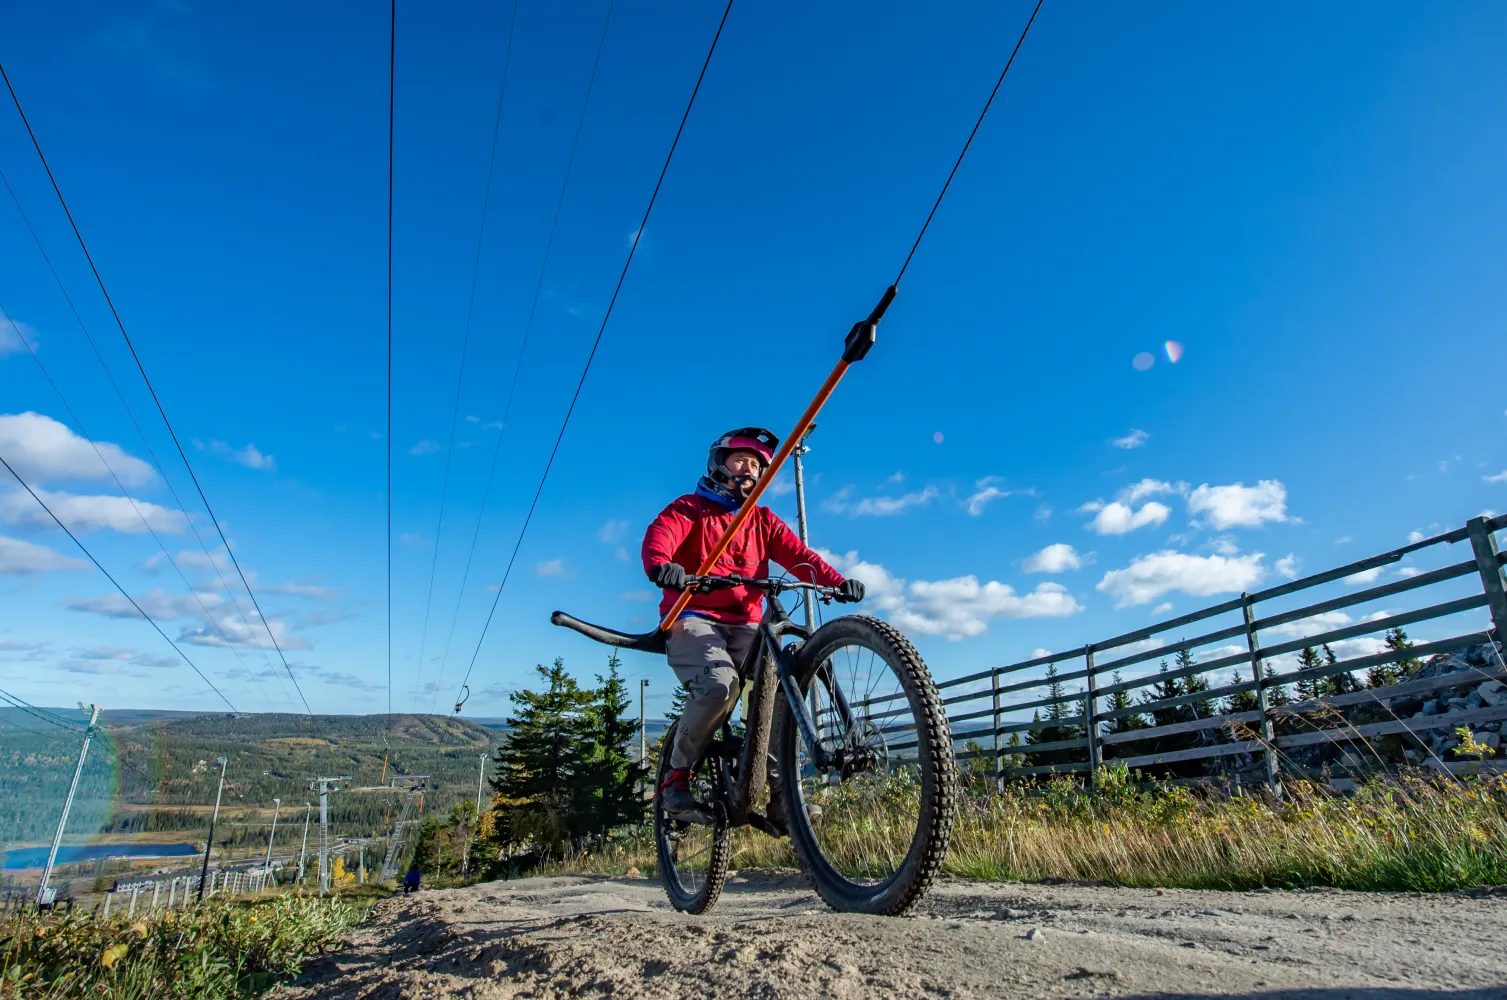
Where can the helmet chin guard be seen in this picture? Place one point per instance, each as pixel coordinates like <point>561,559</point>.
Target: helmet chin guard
<point>759,440</point>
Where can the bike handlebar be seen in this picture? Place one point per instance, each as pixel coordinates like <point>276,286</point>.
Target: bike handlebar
<point>761,583</point>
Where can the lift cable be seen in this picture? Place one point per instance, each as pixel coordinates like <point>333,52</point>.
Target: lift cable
<point>507,410</point>
<point>638,236</point>
<point>460,378</point>
<point>36,144</point>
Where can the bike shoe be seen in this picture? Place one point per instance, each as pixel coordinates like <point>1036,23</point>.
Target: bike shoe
<point>679,803</point>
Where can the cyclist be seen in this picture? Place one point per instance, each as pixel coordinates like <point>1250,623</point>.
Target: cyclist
<point>710,640</point>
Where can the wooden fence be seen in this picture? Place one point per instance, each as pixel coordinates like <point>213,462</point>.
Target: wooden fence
<point>1263,731</point>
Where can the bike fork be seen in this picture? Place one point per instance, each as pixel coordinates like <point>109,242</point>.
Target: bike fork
<point>783,660</point>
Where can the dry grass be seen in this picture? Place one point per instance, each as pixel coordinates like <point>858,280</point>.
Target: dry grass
<point>1409,833</point>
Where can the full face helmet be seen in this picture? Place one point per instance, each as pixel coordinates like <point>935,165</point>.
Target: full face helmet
<point>758,440</point>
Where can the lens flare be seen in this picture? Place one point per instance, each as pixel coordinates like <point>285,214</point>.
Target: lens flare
<point>937,437</point>
<point>1174,351</point>
<point>1143,361</point>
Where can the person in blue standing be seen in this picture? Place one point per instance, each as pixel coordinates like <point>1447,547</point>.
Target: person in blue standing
<point>411,880</point>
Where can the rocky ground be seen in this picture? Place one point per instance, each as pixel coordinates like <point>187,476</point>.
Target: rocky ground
<point>770,937</point>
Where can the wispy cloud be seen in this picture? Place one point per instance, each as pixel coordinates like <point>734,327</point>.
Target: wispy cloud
<point>985,492</point>
<point>888,506</point>
<point>426,447</point>
<point>1135,439</point>
<point>14,337</point>
<point>90,513</point>
<point>550,568</point>
<point>43,450</point>
<point>1240,506</point>
<point>24,558</point>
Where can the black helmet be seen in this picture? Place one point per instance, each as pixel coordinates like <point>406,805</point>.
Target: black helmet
<point>758,440</point>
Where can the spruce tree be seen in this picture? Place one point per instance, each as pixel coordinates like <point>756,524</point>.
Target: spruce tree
<point>541,762</point>
<point>1276,694</point>
<point>1308,687</point>
<point>1164,689</point>
<point>1382,674</point>
<point>1193,684</point>
<point>1120,701</point>
<point>1240,701</point>
<point>611,793</point>
<point>1342,683</point>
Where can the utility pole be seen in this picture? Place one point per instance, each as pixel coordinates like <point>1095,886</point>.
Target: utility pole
<point>465,858</point>
<point>303,851</point>
<point>323,786</point>
<point>277,805</point>
<point>45,895</point>
<point>414,785</point>
<point>204,872</point>
<point>643,724</point>
<point>808,602</point>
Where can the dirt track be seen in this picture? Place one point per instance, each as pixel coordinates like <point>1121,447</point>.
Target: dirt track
<point>769,936</point>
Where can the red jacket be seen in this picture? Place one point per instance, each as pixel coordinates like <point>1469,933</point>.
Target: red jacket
<point>685,532</point>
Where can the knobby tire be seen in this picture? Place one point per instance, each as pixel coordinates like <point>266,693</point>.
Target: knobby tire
<point>686,900</point>
<point>938,795</point>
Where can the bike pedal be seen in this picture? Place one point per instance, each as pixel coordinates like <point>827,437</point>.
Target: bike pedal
<point>698,816</point>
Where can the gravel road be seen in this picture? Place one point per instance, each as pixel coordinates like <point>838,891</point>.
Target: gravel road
<point>770,937</point>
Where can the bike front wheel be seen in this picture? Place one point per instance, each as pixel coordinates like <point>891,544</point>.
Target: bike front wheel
<point>871,830</point>
<point>692,857</point>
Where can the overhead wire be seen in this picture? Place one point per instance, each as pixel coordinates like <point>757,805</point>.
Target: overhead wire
<point>183,455</point>
<point>84,549</point>
<point>214,564</point>
<point>976,125</point>
<point>465,343</point>
<point>507,412</point>
<point>392,91</point>
<point>596,343</point>
<point>65,724</point>
<point>208,615</point>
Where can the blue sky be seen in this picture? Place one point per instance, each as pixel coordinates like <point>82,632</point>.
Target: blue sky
<point>1306,200</point>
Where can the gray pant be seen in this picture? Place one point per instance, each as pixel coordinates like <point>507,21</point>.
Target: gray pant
<point>705,656</point>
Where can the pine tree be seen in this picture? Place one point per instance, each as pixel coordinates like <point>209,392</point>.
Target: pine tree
<point>1120,701</point>
<point>1193,684</point>
<point>1240,701</point>
<point>1342,683</point>
<point>1308,687</point>
<point>1165,689</point>
<point>1389,673</point>
<point>678,698</point>
<point>541,761</point>
<point>610,794</point>
<point>1276,694</point>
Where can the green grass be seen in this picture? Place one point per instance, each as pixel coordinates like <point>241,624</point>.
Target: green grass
<point>218,951</point>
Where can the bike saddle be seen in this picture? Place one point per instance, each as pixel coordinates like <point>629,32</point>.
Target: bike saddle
<point>647,642</point>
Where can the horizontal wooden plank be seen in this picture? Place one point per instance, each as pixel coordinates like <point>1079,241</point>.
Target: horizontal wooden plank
<point>1192,726</point>
<point>1405,689</point>
<point>1030,748</point>
<point>1101,669</point>
<point>1026,772</point>
<point>1346,733</point>
<point>1378,625</point>
<point>1374,659</point>
<point>1375,593</point>
<point>1039,661</point>
<point>1372,562</point>
<point>1219,663</point>
<point>1196,753</point>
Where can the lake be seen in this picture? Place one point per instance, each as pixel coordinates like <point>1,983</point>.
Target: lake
<point>36,857</point>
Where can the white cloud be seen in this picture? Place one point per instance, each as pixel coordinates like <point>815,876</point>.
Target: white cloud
<point>958,608</point>
<point>1042,513</point>
<point>1162,609</point>
<point>886,506</point>
<point>550,567</point>
<point>1240,506</point>
<point>40,448</point>
<point>1058,558</point>
<point>17,557</point>
<point>156,602</point>
<point>612,532</point>
<point>123,655</point>
<point>1150,488</point>
<point>639,595</point>
<point>1364,577</point>
<point>1116,518</point>
<point>1500,477</point>
<point>1150,576</point>
<point>837,503</point>
<point>11,334</point>
<point>1289,566</point>
<point>252,458</point>
<point>984,492</point>
<point>1408,572</point>
<point>1135,439</point>
<point>1312,625</point>
<point>426,447</point>
<point>343,679</point>
<point>86,513</point>
<point>895,477</point>
<point>241,632</point>
<point>296,589</point>
<point>1415,536</point>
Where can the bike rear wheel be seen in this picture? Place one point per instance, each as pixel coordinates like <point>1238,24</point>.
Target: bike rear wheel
<point>693,857</point>
<point>871,834</point>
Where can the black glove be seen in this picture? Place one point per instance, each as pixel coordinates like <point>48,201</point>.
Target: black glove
<point>670,576</point>
<point>851,591</point>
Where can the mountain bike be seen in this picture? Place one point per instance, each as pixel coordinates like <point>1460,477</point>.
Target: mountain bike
<point>847,727</point>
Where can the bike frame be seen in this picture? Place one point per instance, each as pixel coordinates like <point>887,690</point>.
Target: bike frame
<point>775,626</point>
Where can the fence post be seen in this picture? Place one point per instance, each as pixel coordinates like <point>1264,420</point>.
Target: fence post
<point>999,763</point>
<point>108,895</point>
<point>1091,719</point>
<point>1268,732</point>
<point>135,891</point>
<point>1492,578</point>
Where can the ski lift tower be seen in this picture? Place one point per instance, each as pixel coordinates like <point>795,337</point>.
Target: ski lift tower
<point>414,784</point>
